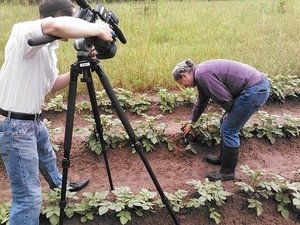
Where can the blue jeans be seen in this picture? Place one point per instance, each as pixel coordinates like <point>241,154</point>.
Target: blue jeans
<point>245,105</point>
<point>25,148</point>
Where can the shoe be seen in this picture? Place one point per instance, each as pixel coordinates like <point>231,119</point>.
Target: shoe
<point>77,186</point>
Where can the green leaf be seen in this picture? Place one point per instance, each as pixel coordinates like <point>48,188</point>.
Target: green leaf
<point>259,210</point>
<point>272,140</point>
<point>215,216</point>
<point>49,214</point>
<point>154,140</point>
<point>170,145</point>
<point>125,216</point>
<point>102,210</point>
<point>69,213</point>
<point>54,219</point>
<point>90,216</point>
<point>139,213</point>
<point>83,219</point>
<point>296,202</point>
<point>285,213</point>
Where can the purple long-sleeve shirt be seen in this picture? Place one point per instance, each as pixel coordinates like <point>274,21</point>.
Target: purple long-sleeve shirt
<point>222,81</point>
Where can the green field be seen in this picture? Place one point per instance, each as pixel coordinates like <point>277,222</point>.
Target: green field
<point>263,33</point>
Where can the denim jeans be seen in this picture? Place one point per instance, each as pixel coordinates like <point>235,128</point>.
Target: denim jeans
<point>25,148</point>
<point>245,105</point>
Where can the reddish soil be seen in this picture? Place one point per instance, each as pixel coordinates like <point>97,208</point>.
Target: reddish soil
<point>174,168</point>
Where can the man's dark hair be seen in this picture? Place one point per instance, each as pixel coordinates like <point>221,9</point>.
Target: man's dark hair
<point>55,8</point>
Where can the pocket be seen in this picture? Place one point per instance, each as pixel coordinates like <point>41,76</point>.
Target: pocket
<point>22,128</point>
<point>245,96</point>
<point>260,98</point>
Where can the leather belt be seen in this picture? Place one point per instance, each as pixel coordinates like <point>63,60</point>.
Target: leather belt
<point>19,116</point>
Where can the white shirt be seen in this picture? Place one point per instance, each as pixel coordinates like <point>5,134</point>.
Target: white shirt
<point>28,73</point>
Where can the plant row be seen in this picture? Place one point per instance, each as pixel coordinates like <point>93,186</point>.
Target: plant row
<point>281,88</point>
<point>137,104</point>
<point>260,184</point>
<point>151,132</point>
<point>262,125</point>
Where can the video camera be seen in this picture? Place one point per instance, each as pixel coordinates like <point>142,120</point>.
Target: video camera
<point>105,50</point>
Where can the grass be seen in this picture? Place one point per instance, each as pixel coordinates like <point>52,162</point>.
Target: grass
<point>262,33</point>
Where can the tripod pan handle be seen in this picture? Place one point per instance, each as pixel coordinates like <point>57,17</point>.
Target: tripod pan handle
<point>41,40</point>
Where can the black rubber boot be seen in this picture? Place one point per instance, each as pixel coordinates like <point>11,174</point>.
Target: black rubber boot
<point>214,159</point>
<point>229,162</point>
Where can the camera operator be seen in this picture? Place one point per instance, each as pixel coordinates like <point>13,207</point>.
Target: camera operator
<point>239,88</point>
<point>27,76</point>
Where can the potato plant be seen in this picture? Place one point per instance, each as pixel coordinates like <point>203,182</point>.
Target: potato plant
<point>263,125</point>
<point>265,184</point>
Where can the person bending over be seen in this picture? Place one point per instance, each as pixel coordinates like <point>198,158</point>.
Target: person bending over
<point>239,88</point>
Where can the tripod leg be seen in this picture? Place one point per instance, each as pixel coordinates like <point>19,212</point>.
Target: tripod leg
<point>99,128</point>
<point>68,138</point>
<point>137,145</point>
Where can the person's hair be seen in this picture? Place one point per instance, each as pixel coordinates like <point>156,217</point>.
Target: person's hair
<point>182,67</point>
<point>55,8</point>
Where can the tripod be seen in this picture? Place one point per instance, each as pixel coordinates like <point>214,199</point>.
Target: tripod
<point>84,65</point>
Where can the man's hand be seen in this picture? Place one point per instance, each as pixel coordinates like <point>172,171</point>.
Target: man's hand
<point>106,30</point>
<point>188,129</point>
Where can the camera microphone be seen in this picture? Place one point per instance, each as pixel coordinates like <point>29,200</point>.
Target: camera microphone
<point>82,4</point>
<point>112,19</point>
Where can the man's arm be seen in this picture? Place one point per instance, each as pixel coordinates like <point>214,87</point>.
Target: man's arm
<point>67,27</point>
<point>199,107</point>
<point>61,82</point>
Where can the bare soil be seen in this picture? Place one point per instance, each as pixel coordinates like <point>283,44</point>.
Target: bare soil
<point>174,168</point>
